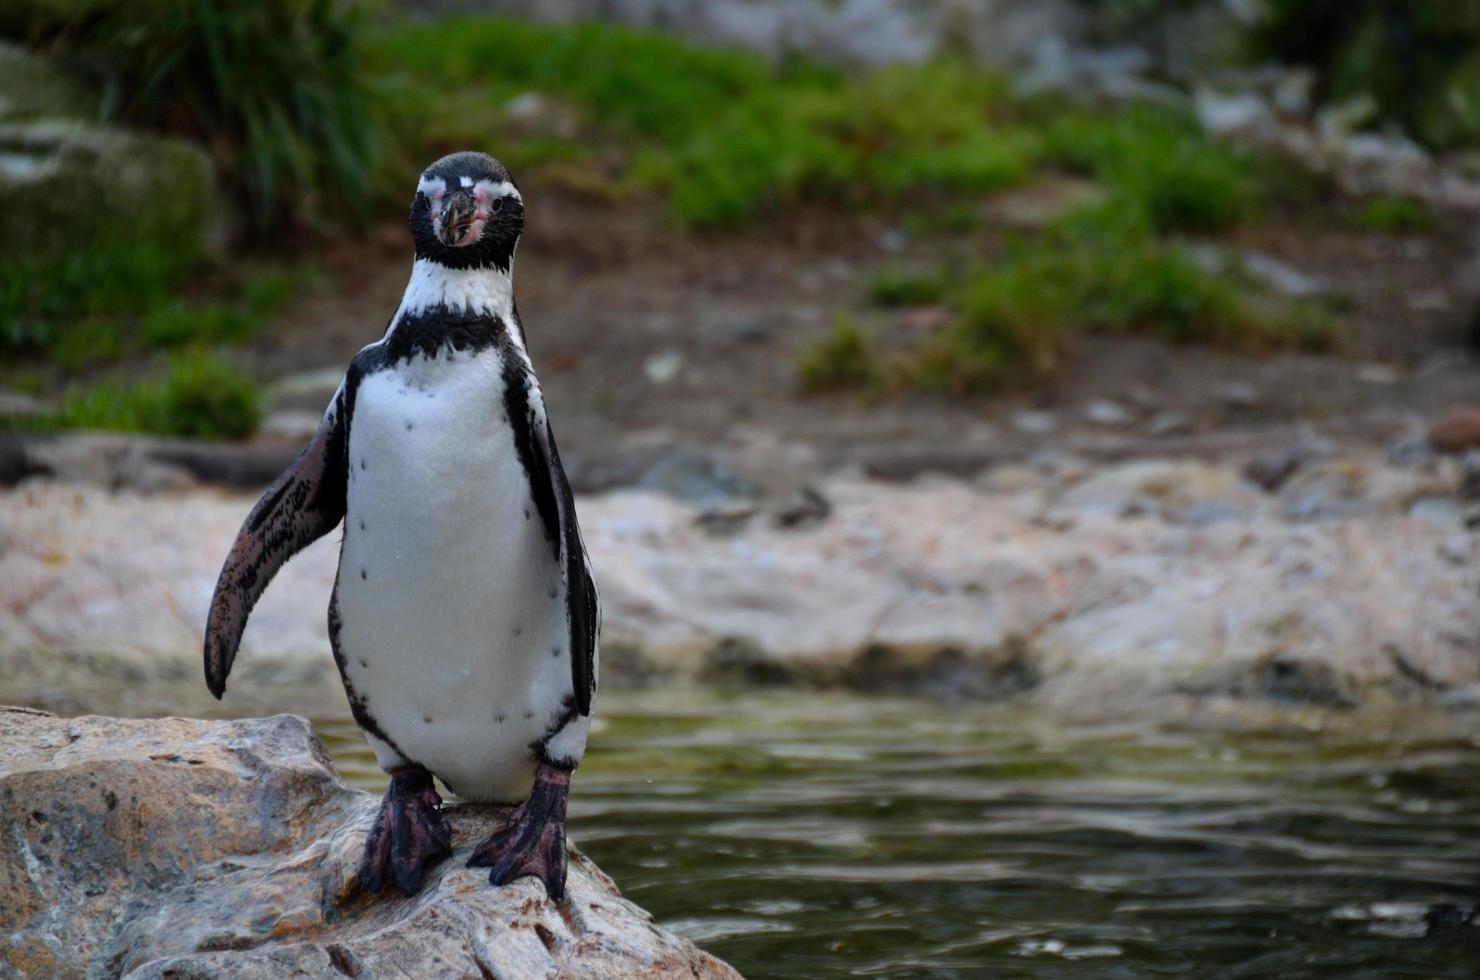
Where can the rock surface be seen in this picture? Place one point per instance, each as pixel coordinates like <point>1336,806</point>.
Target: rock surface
<point>68,181</point>
<point>177,848</point>
<point>1062,580</point>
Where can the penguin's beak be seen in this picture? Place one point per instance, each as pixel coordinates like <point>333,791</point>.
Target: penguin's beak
<point>456,218</point>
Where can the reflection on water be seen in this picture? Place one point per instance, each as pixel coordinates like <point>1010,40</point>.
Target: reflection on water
<point>798,834</point>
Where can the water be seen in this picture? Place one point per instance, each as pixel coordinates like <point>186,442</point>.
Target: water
<point>808,835</point>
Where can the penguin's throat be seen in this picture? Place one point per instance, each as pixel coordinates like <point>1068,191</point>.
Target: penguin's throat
<point>479,292</point>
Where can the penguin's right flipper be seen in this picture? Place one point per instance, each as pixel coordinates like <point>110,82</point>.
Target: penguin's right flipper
<point>301,506</point>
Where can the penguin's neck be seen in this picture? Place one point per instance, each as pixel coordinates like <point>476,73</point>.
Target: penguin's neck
<point>478,292</point>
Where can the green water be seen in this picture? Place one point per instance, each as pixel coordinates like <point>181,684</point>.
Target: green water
<point>808,835</point>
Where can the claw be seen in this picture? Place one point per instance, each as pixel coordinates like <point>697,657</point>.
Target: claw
<point>409,833</point>
<point>533,841</point>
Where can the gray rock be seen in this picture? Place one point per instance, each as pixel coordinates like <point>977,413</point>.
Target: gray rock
<point>169,848</point>
<point>34,87</point>
<point>65,183</point>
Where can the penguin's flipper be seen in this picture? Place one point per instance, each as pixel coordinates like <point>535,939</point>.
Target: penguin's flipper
<point>581,606</point>
<point>301,506</point>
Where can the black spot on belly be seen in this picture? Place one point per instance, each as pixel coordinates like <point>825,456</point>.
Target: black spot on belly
<point>362,575</point>
<point>363,663</point>
<point>554,592</point>
<point>427,719</point>
<point>519,631</point>
<point>528,715</point>
<point>499,717</point>
<point>362,525</point>
<point>555,651</point>
<point>409,426</point>
<point>526,513</point>
<point>362,464</point>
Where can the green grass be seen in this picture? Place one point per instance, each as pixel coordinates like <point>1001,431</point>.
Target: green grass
<point>892,288</point>
<point>199,397</point>
<point>114,299</point>
<point>1099,271</point>
<point>844,358</point>
<point>1395,216</point>
<point>273,88</point>
<point>726,137</point>
<point>1159,163</point>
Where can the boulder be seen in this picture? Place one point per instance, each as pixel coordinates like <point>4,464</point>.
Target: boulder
<point>175,847</point>
<point>32,86</point>
<point>1457,429</point>
<point>68,185</point>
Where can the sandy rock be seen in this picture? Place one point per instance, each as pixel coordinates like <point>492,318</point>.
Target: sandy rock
<point>1457,429</point>
<point>178,848</point>
<point>1036,583</point>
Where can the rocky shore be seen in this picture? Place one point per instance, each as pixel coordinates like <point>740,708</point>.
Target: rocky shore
<point>1294,577</point>
<point>179,848</point>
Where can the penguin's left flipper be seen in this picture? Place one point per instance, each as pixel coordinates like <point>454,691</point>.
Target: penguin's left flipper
<point>533,841</point>
<point>557,506</point>
<point>301,506</point>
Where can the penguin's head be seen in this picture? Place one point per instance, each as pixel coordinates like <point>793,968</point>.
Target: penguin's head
<point>467,213</point>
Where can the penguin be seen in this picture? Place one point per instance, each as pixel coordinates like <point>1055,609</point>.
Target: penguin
<point>464,618</point>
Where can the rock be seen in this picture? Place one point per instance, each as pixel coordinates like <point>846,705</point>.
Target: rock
<point>1035,423</point>
<point>1469,482</point>
<point>34,87</point>
<point>805,508</point>
<point>1043,202</point>
<point>1128,581</point>
<point>1241,114</point>
<point>1271,470</point>
<point>663,367</point>
<point>171,848</point>
<point>1457,429</point>
<point>1281,277</point>
<point>1189,493</point>
<point>65,184</point>
<point>1102,411</point>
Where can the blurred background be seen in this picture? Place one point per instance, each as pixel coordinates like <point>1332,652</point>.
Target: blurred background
<point>1030,448</point>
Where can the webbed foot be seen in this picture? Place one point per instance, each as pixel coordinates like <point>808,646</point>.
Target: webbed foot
<point>409,833</point>
<point>533,841</point>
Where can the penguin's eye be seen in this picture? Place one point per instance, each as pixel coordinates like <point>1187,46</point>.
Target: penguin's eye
<point>498,204</point>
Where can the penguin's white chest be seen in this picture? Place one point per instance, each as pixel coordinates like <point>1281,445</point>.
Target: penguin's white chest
<point>452,625</point>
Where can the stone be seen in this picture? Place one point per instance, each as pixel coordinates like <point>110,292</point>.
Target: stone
<point>1103,411</point>
<point>175,847</point>
<point>33,87</point>
<point>1128,580</point>
<point>67,184</point>
<point>1457,429</point>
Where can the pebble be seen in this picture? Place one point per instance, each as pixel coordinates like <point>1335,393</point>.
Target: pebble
<point>1456,429</point>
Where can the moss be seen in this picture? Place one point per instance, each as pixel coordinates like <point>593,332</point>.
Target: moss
<point>844,358</point>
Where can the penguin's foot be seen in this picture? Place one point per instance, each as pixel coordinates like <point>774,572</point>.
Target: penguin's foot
<point>409,833</point>
<point>533,841</point>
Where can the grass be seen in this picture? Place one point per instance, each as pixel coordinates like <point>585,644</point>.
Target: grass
<point>725,136</point>
<point>121,298</point>
<point>1098,271</point>
<point>1395,216</point>
<point>199,396</point>
<point>844,358</point>
<point>272,87</point>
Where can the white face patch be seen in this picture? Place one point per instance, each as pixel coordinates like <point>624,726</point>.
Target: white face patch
<point>496,190</point>
<point>465,182</point>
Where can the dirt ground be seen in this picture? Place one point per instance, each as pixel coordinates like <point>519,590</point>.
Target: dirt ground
<point>662,352</point>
